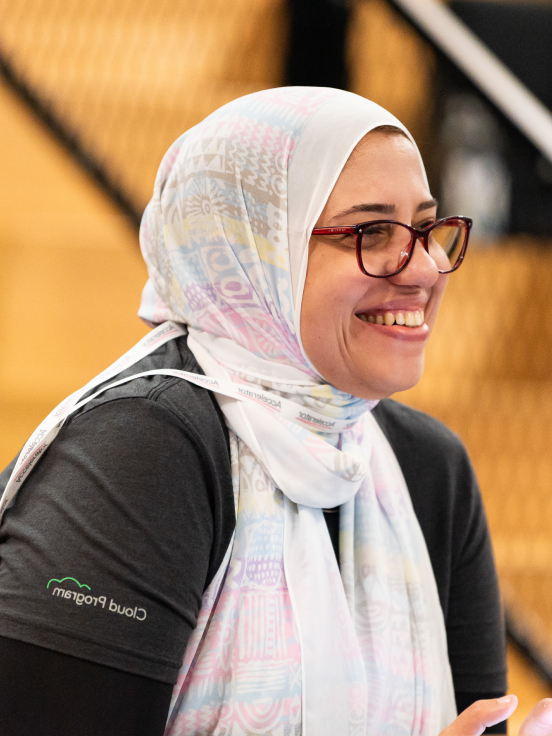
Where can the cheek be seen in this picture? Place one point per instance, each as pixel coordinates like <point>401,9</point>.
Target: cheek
<point>317,309</point>
<point>332,291</point>
<point>333,287</point>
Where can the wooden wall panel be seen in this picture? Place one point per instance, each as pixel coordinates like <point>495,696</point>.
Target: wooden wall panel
<point>70,277</point>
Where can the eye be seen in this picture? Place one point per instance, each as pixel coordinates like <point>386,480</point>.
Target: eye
<point>341,238</point>
<point>373,230</point>
<point>425,223</point>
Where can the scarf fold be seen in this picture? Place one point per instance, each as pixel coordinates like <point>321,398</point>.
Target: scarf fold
<point>294,646</point>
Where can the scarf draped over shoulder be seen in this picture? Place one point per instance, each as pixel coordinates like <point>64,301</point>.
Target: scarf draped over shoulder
<point>288,642</point>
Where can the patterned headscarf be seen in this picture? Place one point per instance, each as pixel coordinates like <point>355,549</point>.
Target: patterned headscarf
<point>295,645</point>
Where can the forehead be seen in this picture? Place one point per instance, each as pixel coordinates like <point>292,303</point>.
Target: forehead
<point>383,167</point>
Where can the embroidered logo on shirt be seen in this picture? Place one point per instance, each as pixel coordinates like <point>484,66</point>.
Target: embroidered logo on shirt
<point>55,580</point>
<point>139,614</point>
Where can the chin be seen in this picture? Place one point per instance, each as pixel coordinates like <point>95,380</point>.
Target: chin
<point>392,381</point>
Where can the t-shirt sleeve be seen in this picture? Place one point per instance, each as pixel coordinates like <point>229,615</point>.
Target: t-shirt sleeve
<point>108,549</point>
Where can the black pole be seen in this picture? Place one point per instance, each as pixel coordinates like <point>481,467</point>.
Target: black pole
<point>317,41</point>
<point>69,140</point>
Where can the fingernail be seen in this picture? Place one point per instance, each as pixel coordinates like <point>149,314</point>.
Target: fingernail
<point>546,702</point>
<point>504,700</point>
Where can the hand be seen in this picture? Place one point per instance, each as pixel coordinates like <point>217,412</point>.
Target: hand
<point>475,719</point>
<point>539,720</point>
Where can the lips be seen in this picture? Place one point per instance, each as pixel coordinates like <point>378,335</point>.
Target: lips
<point>389,318</point>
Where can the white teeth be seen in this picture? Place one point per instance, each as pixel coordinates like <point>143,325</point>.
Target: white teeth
<point>410,319</point>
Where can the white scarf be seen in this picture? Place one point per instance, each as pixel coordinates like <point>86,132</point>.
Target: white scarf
<point>293,645</point>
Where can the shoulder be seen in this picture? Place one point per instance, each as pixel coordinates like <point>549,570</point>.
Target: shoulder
<point>153,448</point>
<point>434,461</point>
<point>439,476</point>
<point>172,402</point>
<point>418,431</point>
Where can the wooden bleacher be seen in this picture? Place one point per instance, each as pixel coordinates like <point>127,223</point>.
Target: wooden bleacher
<point>71,273</point>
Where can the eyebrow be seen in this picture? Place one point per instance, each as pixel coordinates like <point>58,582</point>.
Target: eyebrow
<point>427,205</point>
<point>383,209</point>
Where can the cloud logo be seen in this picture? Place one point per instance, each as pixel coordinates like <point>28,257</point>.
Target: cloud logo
<point>55,580</point>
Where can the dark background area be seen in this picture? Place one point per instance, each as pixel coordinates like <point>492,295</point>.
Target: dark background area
<point>519,34</point>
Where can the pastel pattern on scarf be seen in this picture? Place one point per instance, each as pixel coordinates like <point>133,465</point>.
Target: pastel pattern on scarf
<point>218,229</point>
<point>295,645</point>
<point>251,655</point>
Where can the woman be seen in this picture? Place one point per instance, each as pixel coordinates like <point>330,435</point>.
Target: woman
<point>288,553</point>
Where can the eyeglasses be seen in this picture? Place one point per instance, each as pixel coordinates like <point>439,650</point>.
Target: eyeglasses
<point>384,247</point>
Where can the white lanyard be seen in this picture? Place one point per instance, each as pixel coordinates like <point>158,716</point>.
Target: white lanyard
<point>47,431</point>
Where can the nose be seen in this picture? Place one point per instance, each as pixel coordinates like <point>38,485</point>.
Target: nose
<point>421,271</point>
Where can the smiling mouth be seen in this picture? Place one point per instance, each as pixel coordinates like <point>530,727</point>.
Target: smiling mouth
<point>408,319</point>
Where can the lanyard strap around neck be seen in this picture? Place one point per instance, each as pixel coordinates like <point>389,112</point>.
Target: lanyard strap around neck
<point>47,431</point>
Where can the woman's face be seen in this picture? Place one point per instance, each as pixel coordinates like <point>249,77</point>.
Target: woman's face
<point>383,179</point>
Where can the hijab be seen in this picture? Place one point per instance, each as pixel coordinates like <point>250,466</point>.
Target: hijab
<point>287,642</point>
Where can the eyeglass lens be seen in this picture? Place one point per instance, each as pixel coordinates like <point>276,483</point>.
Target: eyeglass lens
<point>385,247</point>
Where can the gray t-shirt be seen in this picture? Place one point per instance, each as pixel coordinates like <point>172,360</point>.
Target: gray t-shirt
<point>121,525</point>
<point>127,516</point>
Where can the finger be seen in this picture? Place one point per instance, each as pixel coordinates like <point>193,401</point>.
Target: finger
<point>539,720</point>
<point>475,719</point>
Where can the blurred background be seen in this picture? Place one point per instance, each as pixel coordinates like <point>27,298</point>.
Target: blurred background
<point>92,93</point>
